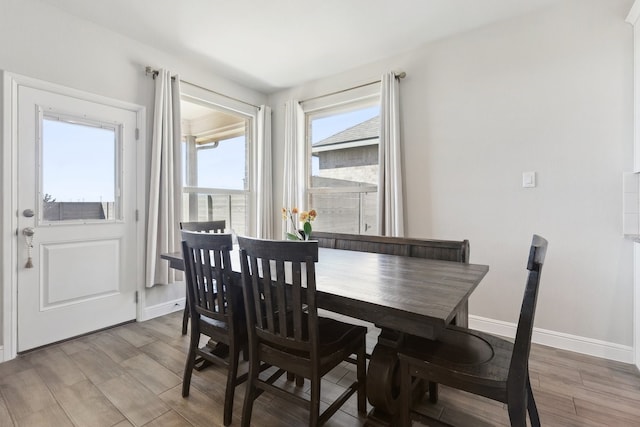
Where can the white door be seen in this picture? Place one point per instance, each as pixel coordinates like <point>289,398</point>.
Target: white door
<point>76,209</point>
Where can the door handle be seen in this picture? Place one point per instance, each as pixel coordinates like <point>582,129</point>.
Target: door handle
<point>28,231</point>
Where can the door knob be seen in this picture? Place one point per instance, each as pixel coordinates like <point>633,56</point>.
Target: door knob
<point>28,231</point>
<point>28,213</point>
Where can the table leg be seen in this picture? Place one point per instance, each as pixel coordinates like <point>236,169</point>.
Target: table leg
<point>383,380</point>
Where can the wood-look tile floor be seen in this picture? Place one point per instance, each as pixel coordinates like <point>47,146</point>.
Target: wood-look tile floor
<point>132,375</point>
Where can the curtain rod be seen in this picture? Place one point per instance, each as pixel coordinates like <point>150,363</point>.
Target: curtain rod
<point>148,70</point>
<point>400,75</point>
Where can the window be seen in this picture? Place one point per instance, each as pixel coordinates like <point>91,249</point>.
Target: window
<point>79,177</point>
<point>216,164</point>
<point>342,147</point>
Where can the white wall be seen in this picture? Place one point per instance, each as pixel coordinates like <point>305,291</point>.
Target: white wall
<point>550,92</point>
<point>43,42</point>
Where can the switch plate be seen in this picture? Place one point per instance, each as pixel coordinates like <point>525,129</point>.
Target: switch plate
<point>528,179</point>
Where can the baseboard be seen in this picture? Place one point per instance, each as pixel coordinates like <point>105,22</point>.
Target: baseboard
<point>158,310</point>
<point>578,344</point>
<point>1,353</point>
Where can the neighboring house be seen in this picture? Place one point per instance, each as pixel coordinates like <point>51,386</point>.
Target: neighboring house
<point>349,158</point>
<point>346,166</point>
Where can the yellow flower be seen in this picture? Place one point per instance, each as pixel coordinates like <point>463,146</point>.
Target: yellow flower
<point>305,218</point>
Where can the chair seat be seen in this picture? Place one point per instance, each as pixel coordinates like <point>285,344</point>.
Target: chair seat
<point>464,358</point>
<point>219,330</point>
<point>336,340</point>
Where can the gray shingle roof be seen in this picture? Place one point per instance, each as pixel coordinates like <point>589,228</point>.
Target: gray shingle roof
<point>369,129</point>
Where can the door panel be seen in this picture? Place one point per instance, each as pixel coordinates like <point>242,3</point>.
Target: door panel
<point>59,269</point>
<point>76,172</point>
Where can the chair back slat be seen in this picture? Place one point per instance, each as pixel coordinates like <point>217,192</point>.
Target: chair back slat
<point>208,275</point>
<point>519,366</point>
<point>279,283</point>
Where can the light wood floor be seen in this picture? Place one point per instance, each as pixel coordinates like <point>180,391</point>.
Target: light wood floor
<point>132,375</point>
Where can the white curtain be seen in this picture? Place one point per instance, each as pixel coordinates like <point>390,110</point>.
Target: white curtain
<point>390,199</point>
<point>294,158</point>
<point>165,192</point>
<point>264,201</point>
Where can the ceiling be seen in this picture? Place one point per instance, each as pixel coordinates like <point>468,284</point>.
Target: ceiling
<point>269,45</point>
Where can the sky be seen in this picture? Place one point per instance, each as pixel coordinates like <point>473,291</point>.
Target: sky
<point>218,166</point>
<point>324,127</point>
<point>79,161</point>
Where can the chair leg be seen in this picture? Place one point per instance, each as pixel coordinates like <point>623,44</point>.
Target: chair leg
<point>531,406</point>
<point>433,392</point>
<point>191,362</point>
<point>405,395</point>
<point>517,407</point>
<point>185,316</point>
<point>362,377</point>
<point>314,404</point>
<point>250,393</point>
<point>232,375</point>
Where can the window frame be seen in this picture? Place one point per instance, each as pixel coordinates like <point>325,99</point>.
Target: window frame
<point>118,172</point>
<point>336,103</point>
<point>198,95</point>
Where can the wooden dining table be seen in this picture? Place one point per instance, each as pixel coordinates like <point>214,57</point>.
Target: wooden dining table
<point>401,295</point>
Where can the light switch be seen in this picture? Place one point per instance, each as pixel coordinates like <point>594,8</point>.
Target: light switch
<point>528,179</point>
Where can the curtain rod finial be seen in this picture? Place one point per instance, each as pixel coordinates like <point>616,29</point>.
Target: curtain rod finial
<point>401,75</point>
<point>148,70</point>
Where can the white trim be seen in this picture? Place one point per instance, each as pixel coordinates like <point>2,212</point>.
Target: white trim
<point>560,340</point>
<point>8,180</point>
<point>343,145</point>
<point>636,303</point>
<point>8,225</point>
<point>141,207</point>
<point>158,310</point>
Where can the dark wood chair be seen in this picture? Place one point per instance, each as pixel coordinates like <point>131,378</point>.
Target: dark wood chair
<point>216,309</point>
<point>477,362</point>
<point>285,330</point>
<point>206,227</point>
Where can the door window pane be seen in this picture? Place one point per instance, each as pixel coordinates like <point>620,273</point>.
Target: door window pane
<point>78,179</point>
